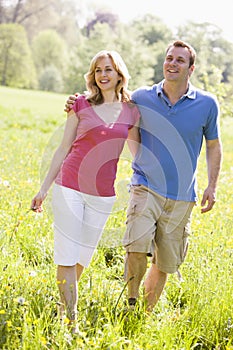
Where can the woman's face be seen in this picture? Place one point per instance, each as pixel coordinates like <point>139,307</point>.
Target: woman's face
<point>106,76</point>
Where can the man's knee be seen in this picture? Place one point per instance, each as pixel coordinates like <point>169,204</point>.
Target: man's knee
<point>136,258</point>
<point>135,264</point>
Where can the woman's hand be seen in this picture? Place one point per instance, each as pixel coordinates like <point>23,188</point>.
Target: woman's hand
<point>37,201</point>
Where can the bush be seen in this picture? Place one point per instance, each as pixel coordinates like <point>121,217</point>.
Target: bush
<point>51,79</point>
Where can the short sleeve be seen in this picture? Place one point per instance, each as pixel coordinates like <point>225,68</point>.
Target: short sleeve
<point>80,103</point>
<point>212,129</point>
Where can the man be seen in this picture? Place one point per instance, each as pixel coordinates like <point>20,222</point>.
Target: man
<point>175,117</point>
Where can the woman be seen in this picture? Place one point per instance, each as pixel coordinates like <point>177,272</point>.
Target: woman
<point>83,170</point>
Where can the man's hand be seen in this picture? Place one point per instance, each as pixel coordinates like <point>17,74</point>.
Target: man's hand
<point>209,198</point>
<point>69,103</point>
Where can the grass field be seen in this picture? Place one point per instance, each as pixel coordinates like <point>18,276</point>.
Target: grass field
<point>195,313</point>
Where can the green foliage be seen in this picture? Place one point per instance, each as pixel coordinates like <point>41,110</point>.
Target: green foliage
<point>104,37</point>
<point>151,30</point>
<point>138,58</point>
<point>78,65</point>
<point>51,79</point>
<point>16,65</point>
<point>194,313</point>
<point>212,50</point>
<point>67,34</point>
<point>48,48</point>
<point>212,82</point>
<point>50,57</point>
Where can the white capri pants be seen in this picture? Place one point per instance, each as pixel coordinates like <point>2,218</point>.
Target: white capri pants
<point>79,220</point>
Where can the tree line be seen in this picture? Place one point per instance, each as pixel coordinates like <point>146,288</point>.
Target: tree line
<point>47,45</point>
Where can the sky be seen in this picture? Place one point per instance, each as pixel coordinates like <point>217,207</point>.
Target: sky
<point>175,13</point>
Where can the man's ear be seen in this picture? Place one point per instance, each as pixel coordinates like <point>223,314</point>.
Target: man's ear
<point>191,70</point>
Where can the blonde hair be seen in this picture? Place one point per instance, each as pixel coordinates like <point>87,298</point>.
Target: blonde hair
<point>94,94</point>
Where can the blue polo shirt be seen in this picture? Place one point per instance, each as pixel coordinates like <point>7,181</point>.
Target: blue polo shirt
<point>171,139</point>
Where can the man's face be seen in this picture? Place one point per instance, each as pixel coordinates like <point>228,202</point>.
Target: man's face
<point>176,64</point>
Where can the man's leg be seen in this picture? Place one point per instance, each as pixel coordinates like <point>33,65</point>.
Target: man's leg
<point>175,220</point>
<point>136,269</point>
<point>153,286</point>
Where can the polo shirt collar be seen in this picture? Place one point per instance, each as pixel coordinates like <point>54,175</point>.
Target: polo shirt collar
<point>191,93</point>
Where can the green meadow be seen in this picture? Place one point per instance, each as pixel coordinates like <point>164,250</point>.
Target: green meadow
<point>193,313</point>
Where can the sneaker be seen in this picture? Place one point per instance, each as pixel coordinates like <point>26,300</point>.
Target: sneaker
<point>132,303</point>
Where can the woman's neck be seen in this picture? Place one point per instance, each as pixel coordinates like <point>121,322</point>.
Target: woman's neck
<point>109,97</point>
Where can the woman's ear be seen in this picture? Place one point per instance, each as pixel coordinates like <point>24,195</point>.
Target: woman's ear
<point>120,78</point>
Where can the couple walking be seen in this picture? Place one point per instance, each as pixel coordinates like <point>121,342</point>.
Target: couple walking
<point>164,125</point>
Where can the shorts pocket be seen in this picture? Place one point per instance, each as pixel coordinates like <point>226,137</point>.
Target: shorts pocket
<point>131,210</point>
<point>185,243</point>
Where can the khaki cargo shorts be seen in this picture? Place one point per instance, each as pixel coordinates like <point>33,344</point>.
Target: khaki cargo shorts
<point>159,227</point>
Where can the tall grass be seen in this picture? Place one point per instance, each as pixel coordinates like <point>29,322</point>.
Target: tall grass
<point>195,313</point>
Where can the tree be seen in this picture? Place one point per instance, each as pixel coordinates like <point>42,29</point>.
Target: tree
<point>51,80</point>
<point>16,65</point>
<point>138,57</point>
<point>20,10</point>
<point>212,50</point>
<point>151,29</point>
<point>38,15</point>
<point>214,61</point>
<point>152,35</point>
<point>65,34</point>
<point>102,17</point>
<point>48,49</point>
<point>101,37</point>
